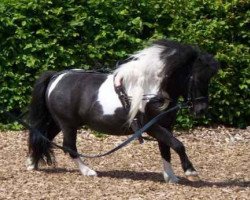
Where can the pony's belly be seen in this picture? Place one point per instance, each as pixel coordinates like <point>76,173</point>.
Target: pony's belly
<point>111,128</point>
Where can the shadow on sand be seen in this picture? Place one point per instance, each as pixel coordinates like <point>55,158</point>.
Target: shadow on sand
<point>155,177</point>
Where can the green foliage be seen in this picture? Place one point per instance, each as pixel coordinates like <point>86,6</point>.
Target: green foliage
<point>40,35</point>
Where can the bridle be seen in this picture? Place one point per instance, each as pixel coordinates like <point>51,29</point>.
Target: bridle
<point>191,100</point>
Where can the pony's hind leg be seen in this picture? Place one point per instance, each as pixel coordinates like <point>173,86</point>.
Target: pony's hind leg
<point>69,142</point>
<point>85,170</point>
<point>52,131</point>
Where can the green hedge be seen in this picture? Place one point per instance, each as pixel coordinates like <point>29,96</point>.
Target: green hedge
<point>40,35</point>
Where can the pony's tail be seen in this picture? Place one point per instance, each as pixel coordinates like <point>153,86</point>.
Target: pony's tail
<point>40,120</point>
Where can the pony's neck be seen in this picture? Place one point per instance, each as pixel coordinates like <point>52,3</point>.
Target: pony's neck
<point>141,75</point>
<point>176,85</point>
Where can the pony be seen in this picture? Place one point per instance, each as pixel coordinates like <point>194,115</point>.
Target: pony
<point>154,79</point>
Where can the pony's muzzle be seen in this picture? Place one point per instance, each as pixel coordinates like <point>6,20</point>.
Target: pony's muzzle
<point>199,109</point>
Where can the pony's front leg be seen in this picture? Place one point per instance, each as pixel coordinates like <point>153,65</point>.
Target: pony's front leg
<point>69,142</point>
<point>165,137</point>
<point>168,172</point>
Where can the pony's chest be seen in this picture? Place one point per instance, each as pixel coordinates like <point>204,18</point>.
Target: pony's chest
<point>107,97</point>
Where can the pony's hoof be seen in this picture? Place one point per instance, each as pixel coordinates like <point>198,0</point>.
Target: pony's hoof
<point>30,165</point>
<point>88,172</point>
<point>85,170</point>
<point>192,175</point>
<point>91,173</point>
<point>170,179</point>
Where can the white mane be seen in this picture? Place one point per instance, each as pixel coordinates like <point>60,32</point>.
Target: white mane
<point>142,75</point>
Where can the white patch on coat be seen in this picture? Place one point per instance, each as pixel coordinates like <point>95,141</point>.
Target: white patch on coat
<point>142,75</point>
<point>107,97</point>
<point>54,83</point>
<point>168,173</point>
<point>85,170</point>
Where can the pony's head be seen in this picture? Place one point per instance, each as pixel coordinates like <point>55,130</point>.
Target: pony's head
<point>187,72</point>
<point>203,69</point>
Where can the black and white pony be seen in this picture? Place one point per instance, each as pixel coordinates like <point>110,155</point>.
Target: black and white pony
<point>64,101</point>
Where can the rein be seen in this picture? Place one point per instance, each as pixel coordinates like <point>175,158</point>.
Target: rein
<point>136,135</point>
